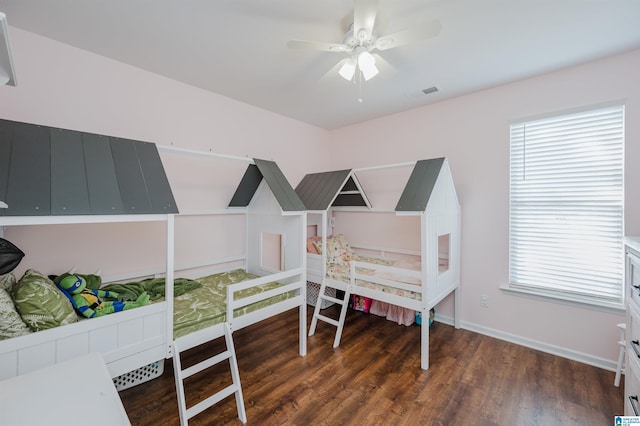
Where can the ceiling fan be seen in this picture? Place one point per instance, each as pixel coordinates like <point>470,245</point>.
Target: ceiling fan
<point>361,41</point>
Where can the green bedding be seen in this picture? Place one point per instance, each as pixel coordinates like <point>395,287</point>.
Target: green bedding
<point>152,286</point>
<point>205,306</point>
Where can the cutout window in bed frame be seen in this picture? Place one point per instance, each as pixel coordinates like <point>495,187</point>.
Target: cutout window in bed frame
<point>312,231</point>
<point>272,252</point>
<point>443,253</point>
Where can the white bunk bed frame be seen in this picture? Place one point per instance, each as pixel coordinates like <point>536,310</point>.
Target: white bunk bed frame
<point>439,216</point>
<point>127,341</point>
<point>136,338</point>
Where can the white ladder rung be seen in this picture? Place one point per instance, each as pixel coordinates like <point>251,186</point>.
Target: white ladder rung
<point>332,299</point>
<point>235,388</point>
<point>203,365</point>
<point>327,319</point>
<point>212,400</point>
<point>339,323</point>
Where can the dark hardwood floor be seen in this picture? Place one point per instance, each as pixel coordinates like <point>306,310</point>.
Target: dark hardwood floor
<point>374,378</point>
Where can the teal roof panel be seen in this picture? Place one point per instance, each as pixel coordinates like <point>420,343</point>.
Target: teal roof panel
<point>319,190</point>
<point>419,187</point>
<point>52,171</point>
<point>275,179</point>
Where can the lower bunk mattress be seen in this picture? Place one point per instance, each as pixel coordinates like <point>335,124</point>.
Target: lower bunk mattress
<point>198,304</point>
<point>398,314</point>
<point>206,306</point>
<point>342,271</point>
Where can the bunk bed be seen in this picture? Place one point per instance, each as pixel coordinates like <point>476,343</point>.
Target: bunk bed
<point>414,281</point>
<point>124,181</point>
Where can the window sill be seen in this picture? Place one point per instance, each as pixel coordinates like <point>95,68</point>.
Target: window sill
<point>613,308</point>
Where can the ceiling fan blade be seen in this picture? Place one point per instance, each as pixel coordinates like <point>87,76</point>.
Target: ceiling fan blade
<point>364,18</point>
<point>317,45</point>
<point>419,32</point>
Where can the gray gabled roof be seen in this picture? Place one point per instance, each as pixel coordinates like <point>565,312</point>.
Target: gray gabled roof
<point>275,179</point>
<point>50,171</point>
<point>319,191</point>
<point>419,187</point>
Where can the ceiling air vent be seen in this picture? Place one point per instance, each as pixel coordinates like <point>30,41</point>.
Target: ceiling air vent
<point>430,90</point>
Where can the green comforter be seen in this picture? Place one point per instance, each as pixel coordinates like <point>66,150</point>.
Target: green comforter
<point>205,306</point>
<point>153,286</point>
<point>200,303</point>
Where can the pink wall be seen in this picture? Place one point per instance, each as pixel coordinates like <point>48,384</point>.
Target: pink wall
<point>473,132</point>
<point>66,87</point>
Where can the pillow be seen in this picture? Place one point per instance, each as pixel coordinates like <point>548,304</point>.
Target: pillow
<point>7,281</point>
<point>10,256</point>
<point>11,324</point>
<point>40,303</point>
<point>311,246</point>
<point>338,250</point>
<point>317,243</point>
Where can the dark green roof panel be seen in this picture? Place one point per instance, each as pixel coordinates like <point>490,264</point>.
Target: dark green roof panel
<point>247,187</point>
<point>68,183</point>
<point>102,182</point>
<point>419,187</point>
<point>54,171</point>
<point>319,190</point>
<point>280,186</point>
<point>275,179</point>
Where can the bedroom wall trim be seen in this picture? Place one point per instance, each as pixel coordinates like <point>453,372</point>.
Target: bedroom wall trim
<point>612,308</point>
<point>594,361</point>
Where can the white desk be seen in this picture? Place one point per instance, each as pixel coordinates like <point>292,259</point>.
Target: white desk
<point>77,392</point>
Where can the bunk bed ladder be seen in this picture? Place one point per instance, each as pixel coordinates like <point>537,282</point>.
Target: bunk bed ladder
<point>339,323</point>
<point>234,388</point>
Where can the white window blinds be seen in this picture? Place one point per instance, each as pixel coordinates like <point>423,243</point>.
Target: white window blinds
<point>566,206</point>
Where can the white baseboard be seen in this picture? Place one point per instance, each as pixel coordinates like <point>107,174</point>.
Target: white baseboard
<point>584,358</point>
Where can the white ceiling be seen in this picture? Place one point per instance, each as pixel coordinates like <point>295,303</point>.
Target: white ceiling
<point>237,48</point>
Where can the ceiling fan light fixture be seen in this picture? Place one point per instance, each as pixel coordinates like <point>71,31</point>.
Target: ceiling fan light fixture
<point>367,64</point>
<point>369,72</point>
<point>348,69</point>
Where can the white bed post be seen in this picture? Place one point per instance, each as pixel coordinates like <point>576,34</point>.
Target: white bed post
<point>325,232</point>
<point>3,205</point>
<point>303,290</point>
<point>169,282</point>
<point>425,258</point>
<point>455,254</point>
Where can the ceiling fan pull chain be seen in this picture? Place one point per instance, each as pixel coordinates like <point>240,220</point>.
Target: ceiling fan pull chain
<point>359,86</point>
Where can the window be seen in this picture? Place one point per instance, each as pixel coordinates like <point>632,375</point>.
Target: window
<point>272,252</point>
<point>566,206</point>
<point>443,252</point>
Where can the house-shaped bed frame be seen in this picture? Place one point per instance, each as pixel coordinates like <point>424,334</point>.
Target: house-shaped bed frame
<point>117,180</point>
<point>430,194</point>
